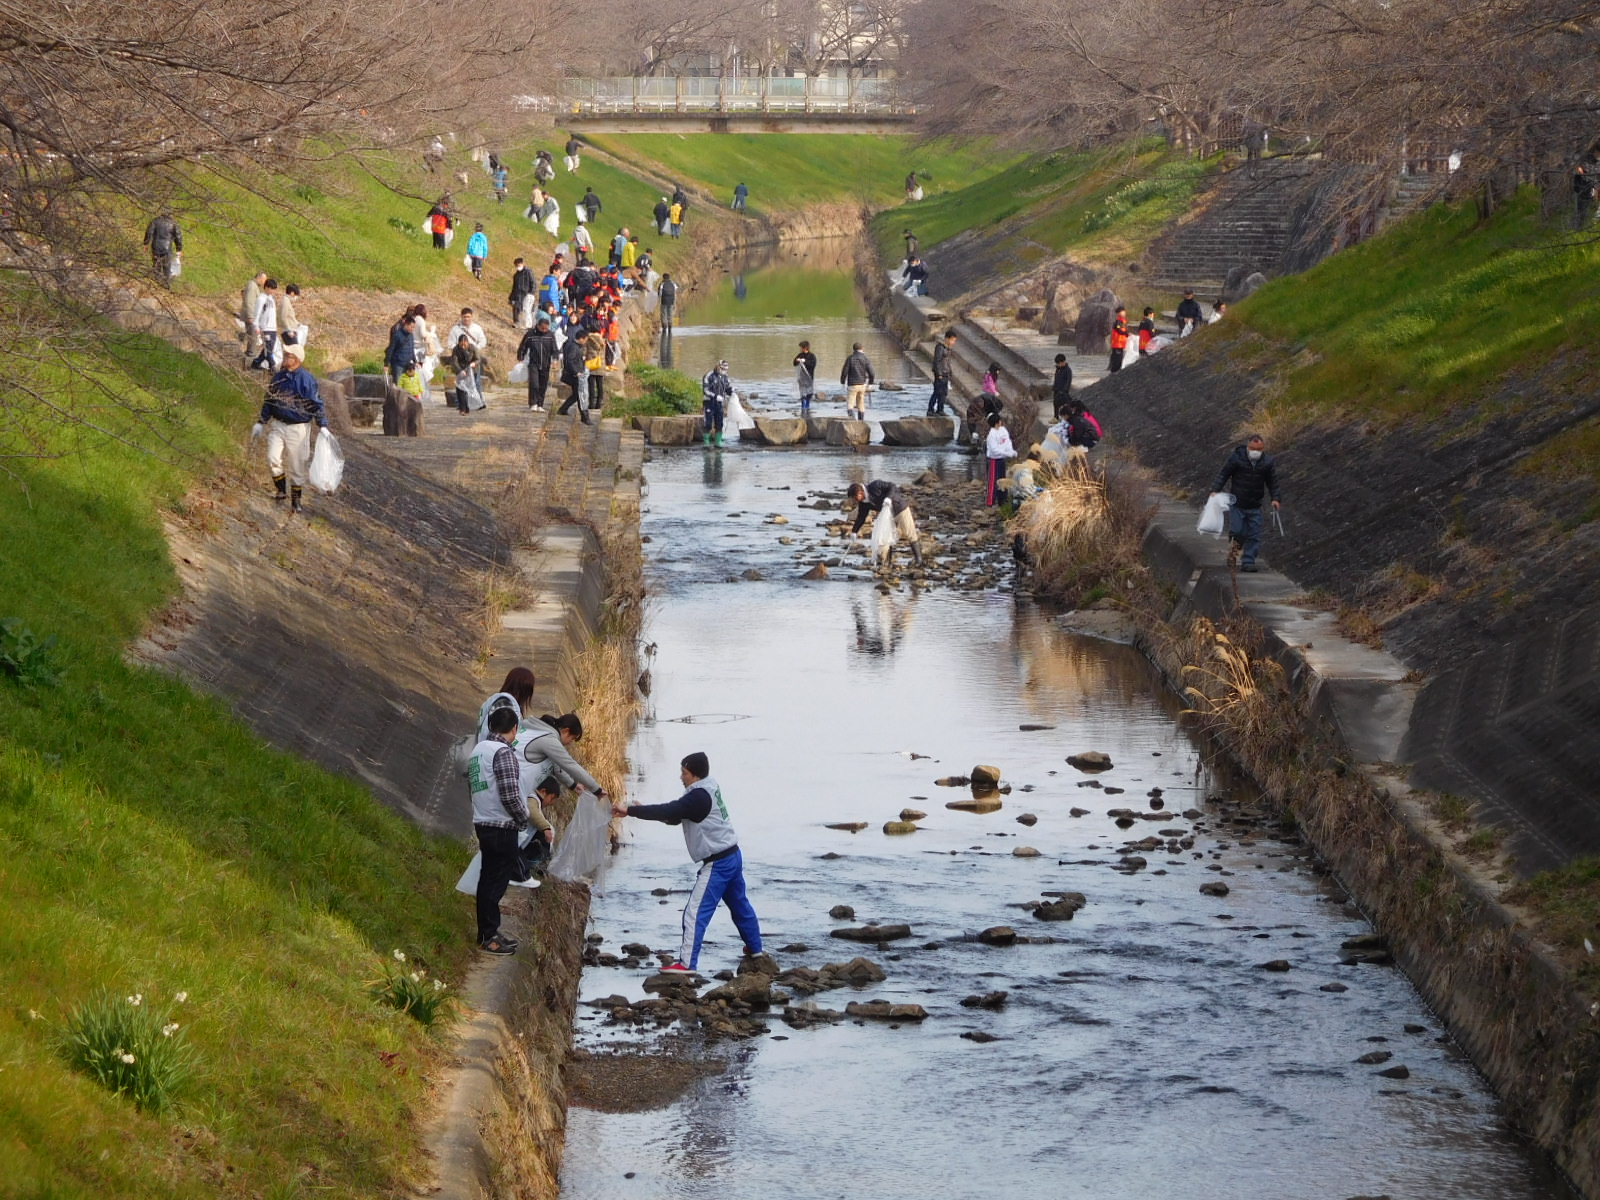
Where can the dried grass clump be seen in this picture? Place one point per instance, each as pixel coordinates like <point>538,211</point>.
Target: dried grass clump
<point>1084,531</point>
<point>1229,690</point>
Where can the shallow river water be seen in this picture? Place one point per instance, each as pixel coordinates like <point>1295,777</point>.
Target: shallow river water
<point>1143,1053</point>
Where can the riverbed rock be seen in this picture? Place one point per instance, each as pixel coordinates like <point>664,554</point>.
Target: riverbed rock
<point>883,1010</point>
<point>1333,987</point>
<point>1061,909</point>
<point>977,804</point>
<point>1373,1057</point>
<point>848,433</point>
<point>753,990</point>
<point>843,912</point>
<point>671,431</point>
<point>849,826</point>
<point>804,1016</point>
<point>1214,889</point>
<point>758,964</point>
<point>989,1000</point>
<point>1276,964</point>
<point>1090,760</point>
<point>673,983</point>
<point>1027,819</point>
<point>636,950</point>
<point>986,775</point>
<point>1024,852</point>
<point>858,972</point>
<point>998,935</point>
<point>1078,812</point>
<point>893,827</point>
<point>820,571</point>
<point>1364,941</point>
<point>780,431</point>
<point>918,431</point>
<point>912,814</point>
<point>1396,1072</point>
<point>979,1036</point>
<point>952,781</point>
<point>872,933</point>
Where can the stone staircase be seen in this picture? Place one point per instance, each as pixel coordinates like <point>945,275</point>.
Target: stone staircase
<point>1411,192</point>
<point>1243,221</point>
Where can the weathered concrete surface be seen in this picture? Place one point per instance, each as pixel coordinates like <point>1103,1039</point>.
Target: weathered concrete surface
<point>671,431</point>
<point>918,431</point>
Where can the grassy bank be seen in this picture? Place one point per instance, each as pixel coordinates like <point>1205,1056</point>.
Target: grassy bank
<point>152,845</point>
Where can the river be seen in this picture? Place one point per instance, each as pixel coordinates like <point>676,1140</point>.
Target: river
<point>1143,1051</point>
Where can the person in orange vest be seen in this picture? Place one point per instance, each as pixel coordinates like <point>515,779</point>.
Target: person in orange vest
<point>1119,339</point>
<point>1147,332</point>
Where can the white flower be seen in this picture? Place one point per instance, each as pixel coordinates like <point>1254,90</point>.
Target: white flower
<point>127,1058</point>
<point>399,956</point>
<point>181,997</point>
<point>438,985</point>
<point>136,999</point>
<point>415,976</point>
<point>35,1015</point>
<point>169,1030</point>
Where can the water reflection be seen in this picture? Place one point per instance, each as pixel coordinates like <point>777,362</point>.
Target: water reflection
<point>881,623</point>
<point>666,357</point>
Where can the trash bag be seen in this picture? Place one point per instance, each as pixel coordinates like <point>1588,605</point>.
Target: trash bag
<point>466,261</point>
<point>327,463</point>
<point>883,533</point>
<point>1214,517</point>
<point>582,849</point>
<point>735,414</point>
<point>468,882</point>
<point>175,265</point>
<point>518,373</point>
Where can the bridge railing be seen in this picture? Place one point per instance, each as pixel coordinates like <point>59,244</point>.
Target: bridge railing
<point>731,94</point>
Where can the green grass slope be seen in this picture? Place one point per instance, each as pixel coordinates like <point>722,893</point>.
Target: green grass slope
<point>151,844</point>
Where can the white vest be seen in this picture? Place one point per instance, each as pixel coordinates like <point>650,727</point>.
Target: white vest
<point>714,834</point>
<point>486,806</point>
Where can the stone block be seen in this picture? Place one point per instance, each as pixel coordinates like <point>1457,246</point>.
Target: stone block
<point>848,433</point>
<point>671,431</point>
<point>780,431</point>
<point>918,431</point>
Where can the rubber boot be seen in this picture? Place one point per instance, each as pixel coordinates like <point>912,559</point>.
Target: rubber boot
<point>719,439</point>
<point>707,439</point>
<point>294,499</point>
<point>916,553</point>
<point>281,483</point>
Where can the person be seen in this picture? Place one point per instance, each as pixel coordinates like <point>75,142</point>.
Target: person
<point>708,834</point>
<point>545,745</point>
<point>501,177</point>
<point>550,216</point>
<point>1582,196</point>
<point>538,350</point>
<point>943,353</point>
<point>1189,315</point>
<point>165,240</point>
<point>915,277</point>
<point>857,377</point>
<point>1082,428</point>
<point>582,240</point>
<point>523,287</point>
<point>715,388</point>
<point>401,354</point>
<point>680,197</point>
<point>290,331</point>
<point>911,245</point>
<point>668,294</point>
<point>574,371</point>
<point>516,692</point>
<point>1255,145</point>
<point>249,306</point>
<point>594,349</point>
<point>1252,473</point>
<point>1119,339</point>
<point>550,288</point>
<point>499,812</point>
<point>740,195</point>
<point>913,188</point>
<point>805,377</point>
<point>267,327</point>
<point>1061,385</point>
<point>478,249</point>
<point>464,362</point>
<point>292,403</point>
<point>468,324</point>
<point>619,243</point>
<point>871,498</point>
<point>1218,311</point>
<point>1147,332</point>
<point>590,205</point>
<point>997,449</point>
<point>574,154</point>
<point>433,156</point>
<point>426,347</point>
<point>675,219</point>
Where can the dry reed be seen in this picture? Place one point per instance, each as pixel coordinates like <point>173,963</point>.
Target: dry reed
<point>1084,530</point>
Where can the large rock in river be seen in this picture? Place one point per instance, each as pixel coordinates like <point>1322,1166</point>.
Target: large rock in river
<point>779,431</point>
<point>671,431</point>
<point>918,431</point>
<point>848,433</point>
<point>872,933</point>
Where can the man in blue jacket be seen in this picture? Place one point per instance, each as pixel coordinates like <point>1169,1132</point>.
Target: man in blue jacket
<point>712,844</point>
<point>1252,473</point>
<point>292,403</point>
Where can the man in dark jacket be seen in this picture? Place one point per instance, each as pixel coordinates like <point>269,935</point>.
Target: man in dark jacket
<point>538,350</point>
<point>941,373</point>
<point>523,285</point>
<point>914,279</point>
<point>401,355</point>
<point>164,239</point>
<point>1252,473</point>
<point>291,405</point>
<point>668,293</point>
<point>575,374</point>
<point>884,498</point>
<point>857,377</point>
<point>661,212</point>
<point>805,377</point>
<point>591,203</point>
<point>1061,386</point>
<point>1190,317</point>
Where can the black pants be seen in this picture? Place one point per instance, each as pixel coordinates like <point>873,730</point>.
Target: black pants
<point>576,386</point>
<point>941,393</point>
<point>597,391</point>
<point>666,315</point>
<point>269,343</point>
<point>499,848</point>
<point>538,385</point>
<point>1116,359</point>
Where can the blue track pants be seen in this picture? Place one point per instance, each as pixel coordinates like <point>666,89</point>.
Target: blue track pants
<point>719,882</point>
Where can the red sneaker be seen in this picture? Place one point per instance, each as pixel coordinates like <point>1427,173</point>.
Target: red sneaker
<point>678,966</point>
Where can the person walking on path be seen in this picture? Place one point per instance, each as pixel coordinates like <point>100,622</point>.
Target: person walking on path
<point>857,377</point>
<point>884,498</point>
<point>675,219</point>
<point>499,812</point>
<point>1147,332</point>
<point>942,353</point>
<point>401,354</point>
<point>1252,473</point>
<point>712,843</point>
<point>740,195</point>
<point>574,154</point>
<point>668,294</point>
<point>477,250</point>
<point>538,350</point>
<point>999,451</point>
<point>911,245</point>
<point>464,362</point>
<point>249,306</point>
<point>1061,386</point>
<point>165,240</point>
<point>523,287</point>
<point>715,388</point>
<point>1190,317</point>
<point>590,204</point>
<point>500,178</point>
<point>661,212</point>
<point>267,326</point>
<point>805,377</point>
<point>1119,339</point>
<point>468,324</point>
<point>575,374</point>
<point>292,403</point>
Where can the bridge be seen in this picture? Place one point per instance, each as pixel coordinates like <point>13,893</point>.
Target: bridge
<point>733,103</point>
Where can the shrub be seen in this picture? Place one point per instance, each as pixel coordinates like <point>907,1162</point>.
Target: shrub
<point>412,991</point>
<point>129,1047</point>
<point>1083,532</point>
<point>661,392</point>
<point>26,657</point>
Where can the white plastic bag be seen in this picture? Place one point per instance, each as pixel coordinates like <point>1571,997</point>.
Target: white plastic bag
<point>175,265</point>
<point>327,463</point>
<point>468,882</point>
<point>582,849</point>
<point>1214,517</point>
<point>466,261</point>
<point>883,533</point>
<point>735,414</point>
<point>518,373</point>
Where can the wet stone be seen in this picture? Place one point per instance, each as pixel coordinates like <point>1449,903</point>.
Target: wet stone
<point>998,935</point>
<point>989,1000</point>
<point>842,912</point>
<point>872,933</point>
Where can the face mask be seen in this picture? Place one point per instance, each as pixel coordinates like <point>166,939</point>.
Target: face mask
<point>1254,454</point>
